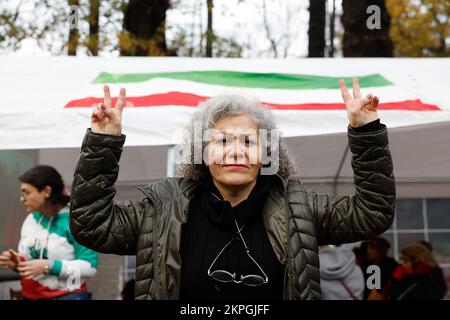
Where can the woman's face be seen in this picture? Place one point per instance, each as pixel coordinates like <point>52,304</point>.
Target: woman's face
<point>233,154</point>
<point>32,198</point>
<point>373,254</point>
<point>405,262</point>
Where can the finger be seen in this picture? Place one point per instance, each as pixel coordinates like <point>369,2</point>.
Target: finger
<point>356,90</point>
<point>98,112</point>
<point>121,100</point>
<point>5,264</point>
<point>373,104</point>
<point>107,97</point>
<point>129,104</point>
<point>344,91</point>
<point>375,100</point>
<point>366,100</point>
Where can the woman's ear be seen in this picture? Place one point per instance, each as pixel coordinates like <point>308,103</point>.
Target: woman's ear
<point>47,192</point>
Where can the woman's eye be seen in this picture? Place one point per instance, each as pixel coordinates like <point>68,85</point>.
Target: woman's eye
<point>221,141</point>
<point>249,142</point>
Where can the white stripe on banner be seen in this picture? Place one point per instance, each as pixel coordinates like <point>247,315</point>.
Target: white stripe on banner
<point>389,93</point>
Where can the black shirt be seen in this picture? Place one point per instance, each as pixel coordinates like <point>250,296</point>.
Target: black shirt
<point>209,228</point>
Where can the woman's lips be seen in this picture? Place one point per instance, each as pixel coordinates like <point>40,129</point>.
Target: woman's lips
<point>235,166</point>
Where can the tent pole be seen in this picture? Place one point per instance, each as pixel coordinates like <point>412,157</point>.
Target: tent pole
<point>170,161</point>
<point>338,172</point>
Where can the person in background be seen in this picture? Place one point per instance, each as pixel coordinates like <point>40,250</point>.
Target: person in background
<point>377,254</point>
<point>128,290</point>
<point>413,279</point>
<point>437,272</point>
<point>52,265</point>
<point>340,277</point>
<point>360,252</point>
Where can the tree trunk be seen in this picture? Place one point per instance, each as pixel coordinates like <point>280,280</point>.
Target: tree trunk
<point>359,40</point>
<point>209,30</point>
<point>74,35</point>
<point>93,27</point>
<point>144,26</point>
<point>332,32</point>
<point>316,33</point>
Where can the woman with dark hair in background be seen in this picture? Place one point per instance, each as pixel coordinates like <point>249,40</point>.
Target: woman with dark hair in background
<point>376,253</point>
<point>52,265</point>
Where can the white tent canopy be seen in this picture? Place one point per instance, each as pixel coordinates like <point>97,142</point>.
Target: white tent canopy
<point>35,92</point>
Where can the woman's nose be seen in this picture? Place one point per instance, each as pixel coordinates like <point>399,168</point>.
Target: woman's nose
<point>238,149</point>
<point>22,199</point>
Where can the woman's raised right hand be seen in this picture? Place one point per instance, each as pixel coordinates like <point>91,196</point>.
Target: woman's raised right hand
<point>107,119</point>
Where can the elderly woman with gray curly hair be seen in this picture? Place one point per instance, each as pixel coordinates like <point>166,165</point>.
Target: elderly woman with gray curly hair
<point>234,223</point>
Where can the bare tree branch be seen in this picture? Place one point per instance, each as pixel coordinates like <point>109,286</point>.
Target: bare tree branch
<point>273,43</point>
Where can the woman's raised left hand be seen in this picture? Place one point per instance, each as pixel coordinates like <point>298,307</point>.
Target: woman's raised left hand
<point>360,110</point>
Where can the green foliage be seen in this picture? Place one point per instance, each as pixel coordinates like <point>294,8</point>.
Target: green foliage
<point>420,28</point>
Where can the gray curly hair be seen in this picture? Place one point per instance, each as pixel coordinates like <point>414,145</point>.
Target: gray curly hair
<point>205,118</point>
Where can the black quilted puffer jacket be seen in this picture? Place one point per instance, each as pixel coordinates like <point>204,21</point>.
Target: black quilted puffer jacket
<point>297,220</point>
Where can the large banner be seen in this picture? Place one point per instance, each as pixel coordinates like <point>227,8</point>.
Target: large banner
<point>47,102</point>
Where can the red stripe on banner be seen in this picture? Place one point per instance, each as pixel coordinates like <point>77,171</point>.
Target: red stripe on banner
<point>153,100</point>
<point>192,100</point>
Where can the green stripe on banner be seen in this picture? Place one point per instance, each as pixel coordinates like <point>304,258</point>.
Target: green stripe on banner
<point>247,79</point>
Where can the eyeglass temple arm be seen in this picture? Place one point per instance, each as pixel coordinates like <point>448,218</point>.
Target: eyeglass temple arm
<point>214,261</point>
<point>248,251</point>
<point>221,251</point>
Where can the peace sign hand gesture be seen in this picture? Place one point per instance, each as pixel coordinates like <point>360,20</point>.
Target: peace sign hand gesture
<point>108,120</point>
<point>360,111</point>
